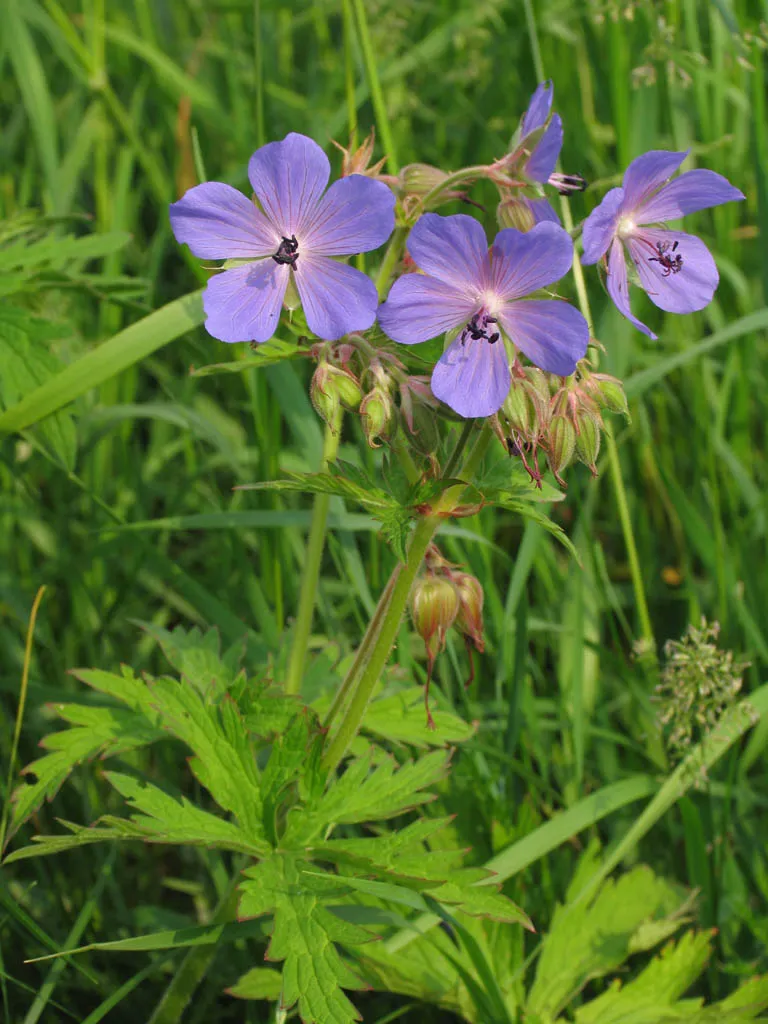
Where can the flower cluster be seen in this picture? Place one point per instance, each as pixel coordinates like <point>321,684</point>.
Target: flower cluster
<point>494,304</point>
<point>698,684</point>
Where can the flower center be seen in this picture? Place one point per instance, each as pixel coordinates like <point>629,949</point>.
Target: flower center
<point>625,227</point>
<point>481,328</point>
<point>287,252</point>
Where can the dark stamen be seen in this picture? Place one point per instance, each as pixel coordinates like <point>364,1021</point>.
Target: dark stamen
<point>287,252</point>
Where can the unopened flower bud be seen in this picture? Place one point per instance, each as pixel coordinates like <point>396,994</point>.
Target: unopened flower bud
<point>538,382</point>
<point>588,440</point>
<point>331,387</point>
<point>469,620</point>
<point>561,443</point>
<point>434,607</point>
<point>323,396</point>
<point>377,412</point>
<point>610,393</point>
<point>515,213</point>
<point>518,408</point>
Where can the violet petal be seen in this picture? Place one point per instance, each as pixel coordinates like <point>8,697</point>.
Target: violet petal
<point>244,304</point>
<point>472,377</point>
<point>288,178</point>
<point>542,210</point>
<point>523,261</point>
<point>356,214</point>
<point>453,249</point>
<point>538,109</point>
<point>336,299</point>
<point>550,332</point>
<point>217,222</point>
<point>646,174</point>
<point>541,162</point>
<point>690,192</point>
<point>600,226</point>
<point>685,291</point>
<point>618,286</point>
<point>419,308</point>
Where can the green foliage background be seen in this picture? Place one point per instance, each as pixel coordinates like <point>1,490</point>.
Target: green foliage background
<point>122,503</point>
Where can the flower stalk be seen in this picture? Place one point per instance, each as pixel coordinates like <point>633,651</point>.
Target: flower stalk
<point>311,576</point>
<point>379,639</point>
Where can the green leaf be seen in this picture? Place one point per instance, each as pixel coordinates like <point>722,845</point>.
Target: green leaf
<point>589,939</point>
<point>258,983</point>
<point>197,656</point>
<point>169,819</point>
<point>399,717</point>
<point>656,990</point>
<point>224,760</point>
<point>304,937</point>
<point>27,363</point>
<point>365,794</point>
<point>267,354</point>
<point>107,360</point>
<point>207,935</point>
<point>97,731</point>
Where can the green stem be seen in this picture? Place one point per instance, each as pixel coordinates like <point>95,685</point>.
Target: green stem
<point>402,580</point>
<point>195,965</point>
<point>453,461</point>
<point>377,96</point>
<point>361,656</point>
<point>614,461</point>
<point>311,576</point>
<point>376,646</point>
<point>465,174</point>
<point>391,258</point>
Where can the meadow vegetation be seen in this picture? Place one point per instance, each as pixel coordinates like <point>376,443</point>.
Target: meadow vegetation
<point>609,760</point>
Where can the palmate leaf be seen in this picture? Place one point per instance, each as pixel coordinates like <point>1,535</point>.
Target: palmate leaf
<point>399,718</point>
<point>95,732</point>
<point>365,794</point>
<point>304,936</point>
<point>198,656</point>
<point>591,938</point>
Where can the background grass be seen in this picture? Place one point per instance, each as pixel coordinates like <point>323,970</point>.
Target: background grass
<point>106,109</point>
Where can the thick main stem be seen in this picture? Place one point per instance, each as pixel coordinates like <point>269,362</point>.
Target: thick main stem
<point>311,575</point>
<point>403,577</point>
<point>381,634</point>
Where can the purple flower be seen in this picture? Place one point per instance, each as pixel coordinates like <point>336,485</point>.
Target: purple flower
<point>537,150</point>
<point>292,233</point>
<point>482,294</point>
<point>675,269</point>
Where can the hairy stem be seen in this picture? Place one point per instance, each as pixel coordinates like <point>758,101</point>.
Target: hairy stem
<point>388,626</point>
<point>379,639</point>
<point>311,575</point>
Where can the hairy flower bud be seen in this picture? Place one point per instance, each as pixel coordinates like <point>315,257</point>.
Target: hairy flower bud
<point>332,387</point>
<point>518,408</point>
<point>434,607</point>
<point>469,620</point>
<point>515,213</point>
<point>561,443</point>
<point>587,440</point>
<point>609,393</point>
<point>324,398</point>
<point>377,413</point>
